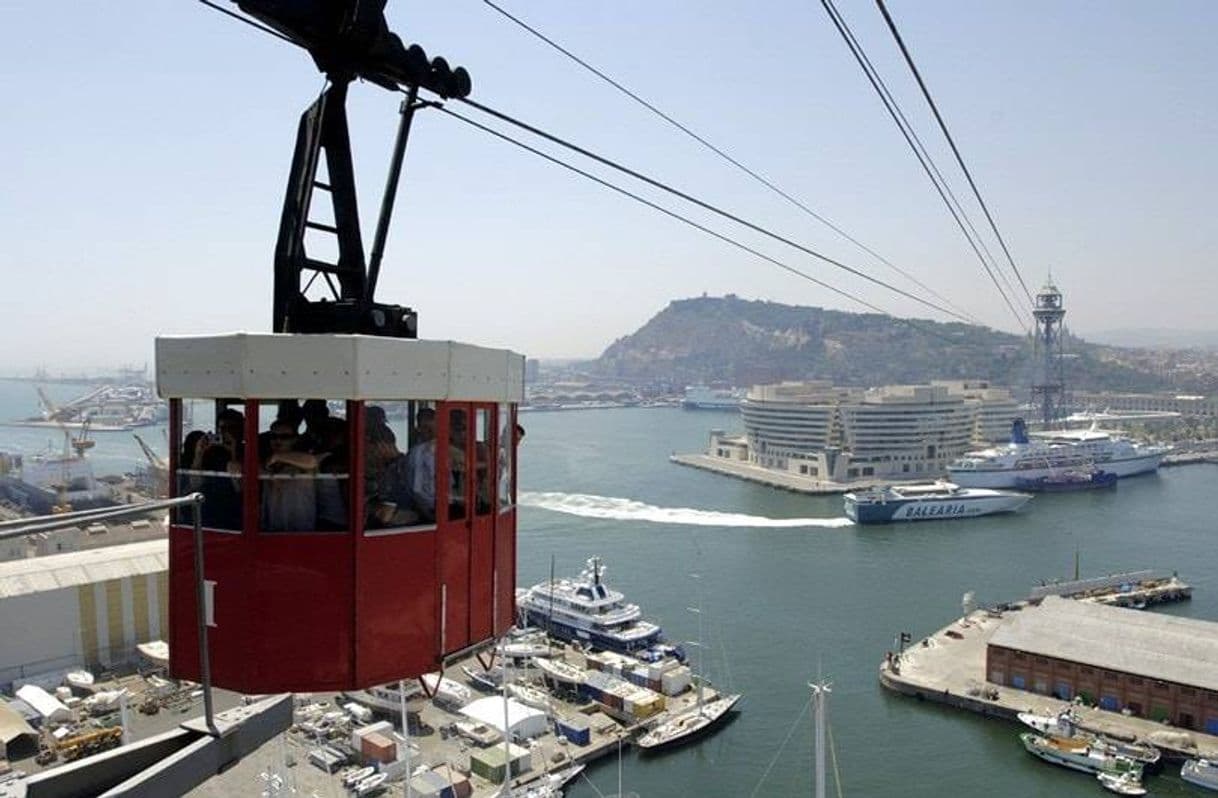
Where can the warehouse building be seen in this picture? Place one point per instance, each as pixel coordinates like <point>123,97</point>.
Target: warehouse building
<point>84,608</point>
<point>1151,665</point>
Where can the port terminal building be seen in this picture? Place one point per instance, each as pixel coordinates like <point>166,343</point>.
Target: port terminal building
<point>87,608</point>
<point>1149,665</point>
<point>828,433</point>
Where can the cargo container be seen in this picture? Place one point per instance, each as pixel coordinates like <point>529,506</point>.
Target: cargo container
<point>376,747</point>
<point>381,727</point>
<point>676,681</point>
<point>488,763</point>
<point>576,729</point>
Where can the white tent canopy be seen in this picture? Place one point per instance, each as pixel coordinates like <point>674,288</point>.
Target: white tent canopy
<point>48,706</point>
<point>525,722</point>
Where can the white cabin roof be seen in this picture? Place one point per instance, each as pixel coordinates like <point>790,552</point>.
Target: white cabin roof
<point>357,367</point>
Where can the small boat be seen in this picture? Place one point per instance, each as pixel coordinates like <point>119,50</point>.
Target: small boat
<point>485,681</point>
<point>445,690</point>
<point>529,696</point>
<point>562,671</point>
<point>356,776</point>
<point>551,784</point>
<point>81,681</point>
<point>1078,754</point>
<point>371,784</point>
<point>929,502</point>
<point>688,724</point>
<point>1201,772</point>
<point>1069,480</point>
<point>1127,783</point>
<point>1065,726</point>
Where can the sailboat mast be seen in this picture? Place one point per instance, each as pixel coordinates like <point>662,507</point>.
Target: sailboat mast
<point>819,692</point>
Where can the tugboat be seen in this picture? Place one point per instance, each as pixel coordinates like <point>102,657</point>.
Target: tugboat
<point>934,501</point>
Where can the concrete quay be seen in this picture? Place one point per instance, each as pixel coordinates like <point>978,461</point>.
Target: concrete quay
<point>948,667</point>
<point>767,476</point>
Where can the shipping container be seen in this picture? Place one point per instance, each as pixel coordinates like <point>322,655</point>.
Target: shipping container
<point>376,747</point>
<point>676,681</point>
<point>381,727</point>
<point>576,729</point>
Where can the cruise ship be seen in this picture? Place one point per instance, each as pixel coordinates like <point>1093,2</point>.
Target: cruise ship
<point>586,610</point>
<point>1051,452</point>
<point>703,397</point>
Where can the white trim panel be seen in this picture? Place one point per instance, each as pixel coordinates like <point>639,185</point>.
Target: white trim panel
<point>358,367</point>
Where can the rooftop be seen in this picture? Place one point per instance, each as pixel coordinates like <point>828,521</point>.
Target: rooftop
<point>54,572</point>
<point>1164,647</point>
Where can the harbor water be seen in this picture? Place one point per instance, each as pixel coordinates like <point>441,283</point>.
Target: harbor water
<point>784,600</point>
<point>789,589</point>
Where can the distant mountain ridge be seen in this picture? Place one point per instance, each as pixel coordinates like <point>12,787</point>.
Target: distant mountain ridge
<point>1157,337</point>
<point>746,342</point>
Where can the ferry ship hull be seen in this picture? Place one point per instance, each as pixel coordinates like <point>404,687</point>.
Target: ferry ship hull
<point>933,509</point>
<point>997,477</point>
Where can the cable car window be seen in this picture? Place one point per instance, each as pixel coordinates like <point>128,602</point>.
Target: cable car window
<point>303,461</point>
<point>457,429</point>
<point>399,465</point>
<point>507,447</point>
<point>482,461</point>
<point>209,461</point>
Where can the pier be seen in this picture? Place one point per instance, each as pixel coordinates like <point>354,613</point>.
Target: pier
<point>949,667</point>
<point>769,476</point>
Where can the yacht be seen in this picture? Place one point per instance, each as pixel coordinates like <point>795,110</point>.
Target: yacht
<point>689,724</point>
<point>586,611</point>
<point>1200,772</point>
<point>929,502</point>
<point>1051,453</point>
<point>1078,754</point>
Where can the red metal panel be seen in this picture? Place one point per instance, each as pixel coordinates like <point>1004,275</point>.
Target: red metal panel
<point>224,562</point>
<point>505,570</point>
<point>301,594</point>
<point>397,605</point>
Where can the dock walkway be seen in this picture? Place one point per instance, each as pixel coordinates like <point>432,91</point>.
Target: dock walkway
<point>948,667</point>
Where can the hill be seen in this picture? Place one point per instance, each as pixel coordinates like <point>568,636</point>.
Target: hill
<point>746,342</point>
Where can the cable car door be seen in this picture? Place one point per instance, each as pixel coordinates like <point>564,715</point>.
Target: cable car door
<point>482,524</point>
<point>454,500</point>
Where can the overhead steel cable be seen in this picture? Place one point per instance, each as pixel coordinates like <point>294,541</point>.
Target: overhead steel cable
<point>910,136</point>
<point>503,117</point>
<point>718,151</point>
<point>892,27</point>
<point>686,220</point>
<point>920,150</point>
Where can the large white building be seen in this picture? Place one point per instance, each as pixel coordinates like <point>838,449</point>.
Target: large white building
<point>85,608</point>
<point>834,434</point>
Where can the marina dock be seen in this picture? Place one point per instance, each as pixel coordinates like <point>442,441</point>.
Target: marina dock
<point>949,667</point>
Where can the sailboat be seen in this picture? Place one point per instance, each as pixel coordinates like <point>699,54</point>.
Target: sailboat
<point>694,721</point>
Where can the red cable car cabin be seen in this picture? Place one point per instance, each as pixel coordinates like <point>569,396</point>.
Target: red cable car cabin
<point>359,518</point>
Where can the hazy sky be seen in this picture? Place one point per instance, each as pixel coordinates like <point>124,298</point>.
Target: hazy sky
<point>147,144</point>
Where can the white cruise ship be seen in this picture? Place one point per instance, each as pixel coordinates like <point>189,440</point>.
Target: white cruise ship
<point>703,397</point>
<point>585,610</point>
<point>1050,452</point>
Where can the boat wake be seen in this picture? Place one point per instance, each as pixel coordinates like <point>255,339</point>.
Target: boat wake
<point>609,507</point>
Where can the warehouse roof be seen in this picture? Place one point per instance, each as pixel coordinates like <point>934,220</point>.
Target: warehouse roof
<point>524,720</point>
<point>1163,647</point>
<point>57,571</point>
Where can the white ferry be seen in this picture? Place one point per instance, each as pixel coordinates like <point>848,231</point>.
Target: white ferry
<point>585,610</point>
<point>1050,453</point>
<point>930,502</point>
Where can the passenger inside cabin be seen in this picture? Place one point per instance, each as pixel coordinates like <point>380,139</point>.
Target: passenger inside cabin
<point>421,465</point>
<point>316,414</point>
<point>289,495</point>
<point>333,465</point>
<point>231,426</point>
<point>288,412</point>
<point>387,487</point>
<point>221,494</point>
